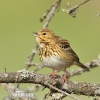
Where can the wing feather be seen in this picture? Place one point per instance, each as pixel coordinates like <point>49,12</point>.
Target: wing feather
<point>65,47</point>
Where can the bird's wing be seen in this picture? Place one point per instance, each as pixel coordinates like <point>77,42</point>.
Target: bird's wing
<point>65,47</point>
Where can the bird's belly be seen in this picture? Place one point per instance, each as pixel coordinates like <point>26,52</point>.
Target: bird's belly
<point>54,62</point>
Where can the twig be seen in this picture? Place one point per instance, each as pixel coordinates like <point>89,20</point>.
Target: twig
<point>60,91</point>
<point>72,10</point>
<point>98,14</point>
<point>46,96</point>
<point>30,58</point>
<point>55,4</point>
<point>93,64</point>
<point>45,15</point>
<point>39,66</point>
<point>49,13</point>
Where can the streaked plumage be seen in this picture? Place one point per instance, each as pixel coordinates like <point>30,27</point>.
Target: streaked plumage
<point>55,52</point>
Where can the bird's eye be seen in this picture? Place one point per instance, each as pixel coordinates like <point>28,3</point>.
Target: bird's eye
<point>44,33</point>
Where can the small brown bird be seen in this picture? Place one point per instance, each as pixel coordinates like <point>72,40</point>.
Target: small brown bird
<point>55,52</point>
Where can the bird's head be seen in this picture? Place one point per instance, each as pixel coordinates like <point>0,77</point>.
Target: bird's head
<point>44,36</point>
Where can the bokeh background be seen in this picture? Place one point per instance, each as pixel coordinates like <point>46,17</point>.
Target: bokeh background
<point>19,18</point>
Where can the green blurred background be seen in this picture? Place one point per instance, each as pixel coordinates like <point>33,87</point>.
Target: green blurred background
<point>19,18</point>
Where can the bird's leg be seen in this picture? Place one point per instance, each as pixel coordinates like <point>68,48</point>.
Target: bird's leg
<point>65,76</point>
<point>53,73</point>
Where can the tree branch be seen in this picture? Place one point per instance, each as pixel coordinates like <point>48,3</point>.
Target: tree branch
<point>84,88</point>
<point>49,13</point>
<point>72,10</point>
<point>30,58</point>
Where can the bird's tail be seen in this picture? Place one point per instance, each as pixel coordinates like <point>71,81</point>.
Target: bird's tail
<point>82,66</point>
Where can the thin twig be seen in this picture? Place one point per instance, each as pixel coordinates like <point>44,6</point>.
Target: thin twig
<point>50,13</point>
<point>45,15</point>
<point>93,64</point>
<point>55,5</point>
<point>30,58</point>
<point>46,96</point>
<point>39,66</point>
<point>98,14</point>
<point>60,91</point>
<point>72,10</point>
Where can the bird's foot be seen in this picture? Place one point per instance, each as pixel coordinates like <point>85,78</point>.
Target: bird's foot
<point>64,79</point>
<point>53,75</point>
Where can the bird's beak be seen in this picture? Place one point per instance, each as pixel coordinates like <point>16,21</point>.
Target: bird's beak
<point>35,34</point>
